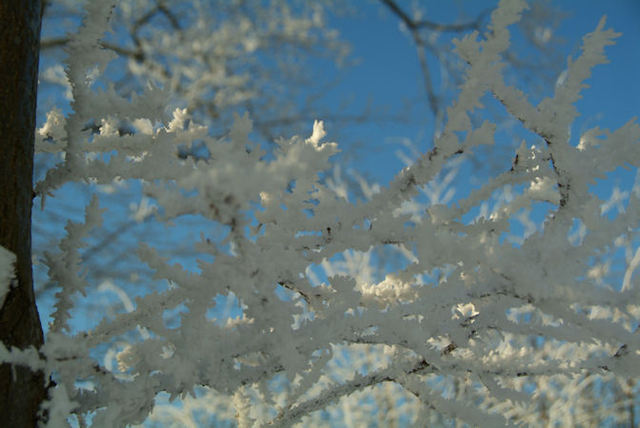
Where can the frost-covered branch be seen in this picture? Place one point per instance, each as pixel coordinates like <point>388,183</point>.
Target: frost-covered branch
<point>285,297</point>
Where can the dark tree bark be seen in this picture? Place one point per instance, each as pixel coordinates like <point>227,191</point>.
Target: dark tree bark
<point>21,390</point>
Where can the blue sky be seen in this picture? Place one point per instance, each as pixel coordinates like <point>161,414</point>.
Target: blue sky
<point>387,70</point>
<point>387,74</point>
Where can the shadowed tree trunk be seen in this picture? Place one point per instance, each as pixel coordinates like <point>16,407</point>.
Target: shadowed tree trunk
<point>21,391</point>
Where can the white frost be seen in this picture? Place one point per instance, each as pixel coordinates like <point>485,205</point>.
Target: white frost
<point>318,133</point>
<point>7,272</point>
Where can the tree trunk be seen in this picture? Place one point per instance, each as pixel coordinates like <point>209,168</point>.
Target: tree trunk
<point>21,390</point>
